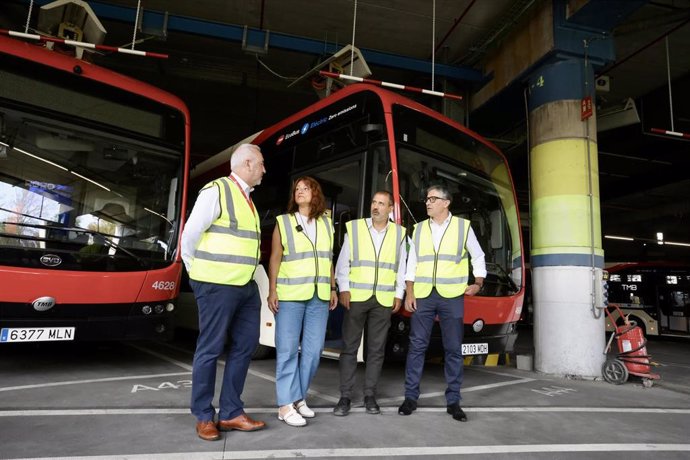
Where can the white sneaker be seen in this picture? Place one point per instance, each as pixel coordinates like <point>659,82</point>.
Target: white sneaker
<point>304,410</point>
<point>292,418</point>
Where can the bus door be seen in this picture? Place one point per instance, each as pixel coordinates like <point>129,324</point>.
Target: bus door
<point>342,184</point>
<point>674,302</point>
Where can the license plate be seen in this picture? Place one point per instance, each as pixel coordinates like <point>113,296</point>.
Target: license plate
<point>475,348</point>
<point>36,334</point>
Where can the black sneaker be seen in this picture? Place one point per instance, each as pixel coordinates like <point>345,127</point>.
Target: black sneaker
<point>342,408</point>
<point>456,411</point>
<point>371,406</point>
<point>407,407</point>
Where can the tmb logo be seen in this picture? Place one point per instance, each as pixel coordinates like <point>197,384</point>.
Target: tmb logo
<point>43,303</point>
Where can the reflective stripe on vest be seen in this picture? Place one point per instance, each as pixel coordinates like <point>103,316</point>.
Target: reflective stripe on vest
<point>228,251</point>
<point>370,272</point>
<point>305,266</point>
<point>446,270</point>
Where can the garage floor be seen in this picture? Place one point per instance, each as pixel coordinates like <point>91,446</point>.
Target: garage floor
<point>130,401</point>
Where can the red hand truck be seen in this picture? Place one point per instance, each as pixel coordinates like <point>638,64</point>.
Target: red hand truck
<point>632,357</point>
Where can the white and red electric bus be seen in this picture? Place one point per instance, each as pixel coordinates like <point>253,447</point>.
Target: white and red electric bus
<point>656,295</point>
<point>362,139</point>
<point>92,195</point>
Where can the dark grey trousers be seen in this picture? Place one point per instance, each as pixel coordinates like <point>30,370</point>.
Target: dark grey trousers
<point>377,320</point>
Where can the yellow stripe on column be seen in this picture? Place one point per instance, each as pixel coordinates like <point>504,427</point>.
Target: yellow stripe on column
<point>559,167</point>
<point>563,220</point>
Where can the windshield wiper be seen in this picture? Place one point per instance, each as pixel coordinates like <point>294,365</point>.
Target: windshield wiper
<point>104,236</point>
<point>504,275</point>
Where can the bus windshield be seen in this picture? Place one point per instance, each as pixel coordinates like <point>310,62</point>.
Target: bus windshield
<point>430,152</point>
<point>89,173</point>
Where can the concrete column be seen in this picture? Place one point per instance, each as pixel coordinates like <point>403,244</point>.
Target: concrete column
<point>566,255</point>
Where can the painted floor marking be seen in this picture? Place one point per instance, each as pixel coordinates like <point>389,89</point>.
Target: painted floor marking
<point>79,382</point>
<point>393,452</point>
<point>389,409</point>
<point>261,375</point>
<point>464,390</point>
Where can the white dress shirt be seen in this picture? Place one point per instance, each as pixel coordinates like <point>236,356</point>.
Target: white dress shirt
<point>342,267</point>
<point>437,230</point>
<point>206,210</point>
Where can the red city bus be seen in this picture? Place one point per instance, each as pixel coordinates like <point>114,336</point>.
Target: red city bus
<point>93,169</point>
<point>362,139</point>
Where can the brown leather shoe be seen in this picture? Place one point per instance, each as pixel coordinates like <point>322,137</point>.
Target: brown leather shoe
<point>241,423</point>
<point>207,430</point>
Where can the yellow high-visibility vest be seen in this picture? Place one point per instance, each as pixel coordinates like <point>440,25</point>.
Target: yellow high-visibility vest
<point>372,273</point>
<point>446,270</point>
<point>228,252</point>
<point>305,266</point>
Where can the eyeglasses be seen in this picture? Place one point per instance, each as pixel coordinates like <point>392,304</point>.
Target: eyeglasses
<point>432,199</point>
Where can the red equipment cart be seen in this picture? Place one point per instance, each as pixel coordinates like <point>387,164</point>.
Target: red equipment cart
<point>632,357</point>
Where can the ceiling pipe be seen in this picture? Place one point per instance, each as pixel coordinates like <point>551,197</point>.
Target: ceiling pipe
<point>455,24</point>
<point>261,18</point>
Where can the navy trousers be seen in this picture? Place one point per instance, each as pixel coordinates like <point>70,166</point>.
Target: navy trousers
<point>224,311</point>
<point>450,313</point>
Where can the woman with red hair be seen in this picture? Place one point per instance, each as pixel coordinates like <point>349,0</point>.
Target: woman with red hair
<point>301,292</point>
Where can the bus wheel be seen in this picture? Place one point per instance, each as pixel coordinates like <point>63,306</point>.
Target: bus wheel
<point>614,371</point>
<point>262,352</point>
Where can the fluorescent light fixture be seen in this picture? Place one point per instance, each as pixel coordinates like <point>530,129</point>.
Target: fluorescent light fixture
<point>673,243</point>
<point>92,181</point>
<point>624,238</point>
<point>16,149</point>
<point>659,238</point>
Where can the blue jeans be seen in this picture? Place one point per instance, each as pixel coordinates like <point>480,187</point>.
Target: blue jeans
<point>223,310</point>
<point>294,373</point>
<point>450,314</point>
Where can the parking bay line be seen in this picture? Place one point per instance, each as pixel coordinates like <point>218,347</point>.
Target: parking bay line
<point>391,409</point>
<point>395,451</point>
<point>80,382</point>
<point>258,374</point>
<point>464,390</point>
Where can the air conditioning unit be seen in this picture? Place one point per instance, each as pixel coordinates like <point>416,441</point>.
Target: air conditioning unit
<point>616,116</point>
<point>348,60</point>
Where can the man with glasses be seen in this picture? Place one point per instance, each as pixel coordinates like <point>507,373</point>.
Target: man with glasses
<point>437,281</point>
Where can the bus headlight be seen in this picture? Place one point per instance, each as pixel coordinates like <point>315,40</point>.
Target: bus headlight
<point>170,307</point>
<point>159,309</point>
<point>478,325</point>
<point>146,309</point>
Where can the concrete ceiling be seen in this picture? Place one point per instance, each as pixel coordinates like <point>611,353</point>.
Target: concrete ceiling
<point>645,179</point>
